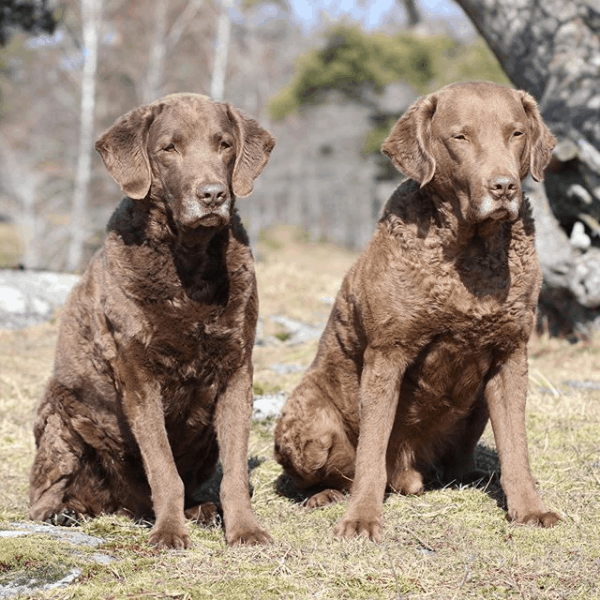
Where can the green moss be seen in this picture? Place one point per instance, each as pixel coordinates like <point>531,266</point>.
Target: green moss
<point>28,559</point>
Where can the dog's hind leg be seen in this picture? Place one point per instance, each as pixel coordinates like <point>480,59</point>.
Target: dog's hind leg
<point>57,462</point>
<point>67,479</point>
<point>313,446</point>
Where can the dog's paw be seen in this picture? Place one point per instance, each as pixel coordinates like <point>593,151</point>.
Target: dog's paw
<point>248,536</point>
<point>541,518</point>
<point>324,498</point>
<point>169,536</point>
<point>349,528</point>
<point>64,518</point>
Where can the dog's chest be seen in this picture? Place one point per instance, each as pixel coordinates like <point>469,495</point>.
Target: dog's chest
<point>192,336</point>
<point>483,298</point>
<point>448,371</point>
<point>191,340</point>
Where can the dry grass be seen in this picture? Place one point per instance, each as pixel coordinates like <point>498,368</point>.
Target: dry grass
<point>11,245</point>
<point>446,544</point>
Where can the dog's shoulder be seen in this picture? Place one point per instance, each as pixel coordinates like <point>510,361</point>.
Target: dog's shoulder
<point>407,205</point>
<point>406,238</point>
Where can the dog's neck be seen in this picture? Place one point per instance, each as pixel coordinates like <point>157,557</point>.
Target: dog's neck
<point>192,251</point>
<point>458,235</point>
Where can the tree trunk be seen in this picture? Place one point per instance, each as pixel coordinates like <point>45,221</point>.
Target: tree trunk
<point>552,50</point>
<point>217,86</point>
<point>164,41</point>
<point>22,181</point>
<point>157,55</point>
<point>90,17</point>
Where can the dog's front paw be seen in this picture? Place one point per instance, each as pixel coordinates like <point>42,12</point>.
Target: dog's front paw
<point>351,527</point>
<point>170,536</point>
<point>248,536</point>
<point>541,518</point>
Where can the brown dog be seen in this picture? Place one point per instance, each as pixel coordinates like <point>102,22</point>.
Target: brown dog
<point>153,373</point>
<point>428,334</point>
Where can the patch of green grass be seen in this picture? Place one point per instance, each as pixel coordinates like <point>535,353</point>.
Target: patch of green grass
<point>33,558</point>
<point>283,336</point>
<point>262,388</point>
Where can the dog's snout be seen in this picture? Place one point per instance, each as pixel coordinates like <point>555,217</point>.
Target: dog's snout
<point>503,186</point>
<point>212,195</point>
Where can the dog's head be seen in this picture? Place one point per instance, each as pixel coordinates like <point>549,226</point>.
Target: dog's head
<point>196,154</point>
<point>474,143</point>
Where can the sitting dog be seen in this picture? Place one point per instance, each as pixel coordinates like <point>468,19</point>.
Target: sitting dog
<point>428,334</point>
<point>152,379</point>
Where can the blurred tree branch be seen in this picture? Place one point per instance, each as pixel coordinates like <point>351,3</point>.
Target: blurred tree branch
<point>412,12</point>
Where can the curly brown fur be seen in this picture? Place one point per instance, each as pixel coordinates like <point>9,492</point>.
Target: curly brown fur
<point>428,334</point>
<point>153,372</point>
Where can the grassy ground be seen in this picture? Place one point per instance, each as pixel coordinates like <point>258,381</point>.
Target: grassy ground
<point>446,544</point>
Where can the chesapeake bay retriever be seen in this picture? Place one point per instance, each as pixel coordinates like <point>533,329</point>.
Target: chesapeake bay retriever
<point>152,379</point>
<point>428,334</point>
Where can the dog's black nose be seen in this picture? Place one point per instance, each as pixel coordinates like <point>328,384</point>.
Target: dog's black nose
<point>503,186</point>
<point>212,195</point>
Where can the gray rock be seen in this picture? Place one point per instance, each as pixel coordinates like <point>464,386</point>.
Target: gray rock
<point>299,332</point>
<point>31,297</point>
<point>13,589</point>
<point>72,536</point>
<point>63,533</point>
<point>284,369</point>
<point>268,405</point>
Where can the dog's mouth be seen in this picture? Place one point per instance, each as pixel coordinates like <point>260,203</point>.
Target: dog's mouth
<point>213,219</point>
<point>502,211</point>
<point>499,214</point>
<point>194,217</point>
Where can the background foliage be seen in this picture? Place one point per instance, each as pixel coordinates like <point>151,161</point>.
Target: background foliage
<point>357,63</point>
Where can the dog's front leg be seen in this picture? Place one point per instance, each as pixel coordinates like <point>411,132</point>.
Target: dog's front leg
<point>379,394</point>
<point>506,393</point>
<point>232,421</point>
<point>142,405</point>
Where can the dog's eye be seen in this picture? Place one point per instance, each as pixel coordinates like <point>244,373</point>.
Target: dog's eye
<point>460,136</point>
<point>169,148</point>
<point>225,145</point>
<point>518,134</point>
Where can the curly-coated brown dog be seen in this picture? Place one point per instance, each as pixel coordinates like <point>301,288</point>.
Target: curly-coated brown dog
<point>428,334</point>
<point>152,379</point>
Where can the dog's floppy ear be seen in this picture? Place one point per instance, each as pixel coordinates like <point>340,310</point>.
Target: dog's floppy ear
<point>253,150</point>
<point>124,151</point>
<point>541,140</point>
<point>409,143</point>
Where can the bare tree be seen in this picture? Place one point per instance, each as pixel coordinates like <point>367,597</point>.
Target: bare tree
<point>551,48</point>
<point>21,181</point>
<point>90,18</point>
<point>217,85</point>
<point>164,40</point>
